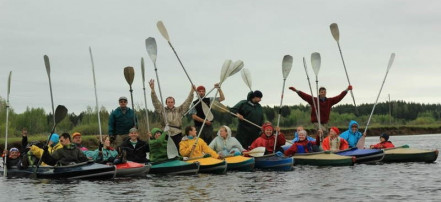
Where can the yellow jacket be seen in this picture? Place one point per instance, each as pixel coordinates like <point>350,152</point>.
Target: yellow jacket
<point>201,148</point>
<point>38,152</point>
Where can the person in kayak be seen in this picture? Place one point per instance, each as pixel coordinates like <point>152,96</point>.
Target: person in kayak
<point>158,145</point>
<point>174,114</point>
<point>384,142</point>
<point>352,135</point>
<point>333,142</point>
<point>296,135</point>
<point>133,149</point>
<point>304,145</point>
<point>76,139</point>
<point>268,139</point>
<point>198,115</point>
<point>121,120</point>
<point>13,159</point>
<point>200,149</point>
<point>36,152</point>
<point>69,154</point>
<point>105,154</point>
<point>251,110</point>
<point>325,104</point>
<point>224,144</point>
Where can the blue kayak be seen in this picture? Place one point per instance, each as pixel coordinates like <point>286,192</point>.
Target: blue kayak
<point>363,155</point>
<point>273,162</point>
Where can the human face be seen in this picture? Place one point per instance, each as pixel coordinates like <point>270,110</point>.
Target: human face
<point>157,134</point>
<point>354,128</point>
<point>14,154</point>
<point>302,136</point>
<point>268,131</point>
<point>201,92</point>
<point>332,133</point>
<point>223,132</point>
<point>170,102</point>
<point>300,128</point>
<point>123,103</point>
<point>382,139</point>
<point>107,142</point>
<point>256,99</point>
<point>322,93</point>
<point>77,139</point>
<point>193,131</point>
<point>133,135</point>
<point>64,141</point>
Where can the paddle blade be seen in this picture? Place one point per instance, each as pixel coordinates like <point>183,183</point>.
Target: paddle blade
<point>207,112</point>
<point>163,30</point>
<point>237,66</point>
<point>142,69</point>
<point>316,62</point>
<point>246,77</point>
<point>391,61</point>
<point>9,84</point>
<point>219,106</point>
<point>172,151</point>
<point>361,142</point>
<point>334,31</point>
<point>129,74</point>
<point>47,64</point>
<point>225,70</point>
<point>256,152</point>
<point>60,113</point>
<point>152,50</point>
<point>286,65</point>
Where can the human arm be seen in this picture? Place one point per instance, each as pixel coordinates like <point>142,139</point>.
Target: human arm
<point>155,101</point>
<point>221,93</point>
<point>291,151</point>
<point>186,104</point>
<point>185,148</point>
<point>50,159</point>
<point>206,149</point>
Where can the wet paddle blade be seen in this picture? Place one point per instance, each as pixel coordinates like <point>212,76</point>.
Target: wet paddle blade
<point>334,31</point>
<point>316,62</point>
<point>286,65</point>
<point>237,66</point>
<point>152,50</point>
<point>142,69</point>
<point>172,151</point>
<point>163,30</point>
<point>361,142</point>
<point>391,61</point>
<point>224,71</point>
<point>129,74</point>
<point>47,64</point>
<point>246,78</point>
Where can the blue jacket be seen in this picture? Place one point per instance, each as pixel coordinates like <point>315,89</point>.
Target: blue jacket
<point>351,137</point>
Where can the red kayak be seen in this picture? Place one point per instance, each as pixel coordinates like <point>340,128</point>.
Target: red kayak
<point>132,169</point>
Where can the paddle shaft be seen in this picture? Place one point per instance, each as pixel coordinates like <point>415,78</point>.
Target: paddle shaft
<point>278,117</point>
<point>318,103</point>
<point>310,88</point>
<point>48,71</point>
<point>246,120</point>
<point>5,170</point>
<point>145,97</point>
<point>96,95</point>
<point>347,76</point>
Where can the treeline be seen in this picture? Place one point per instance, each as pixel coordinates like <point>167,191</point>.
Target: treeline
<point>395,113</point>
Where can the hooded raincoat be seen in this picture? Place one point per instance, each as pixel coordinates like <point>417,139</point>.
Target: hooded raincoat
<point>158,147</point>
<point>226,146</point>
<point>349,136</point>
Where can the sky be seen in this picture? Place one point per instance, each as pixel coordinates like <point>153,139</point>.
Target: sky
<point>205,34</point>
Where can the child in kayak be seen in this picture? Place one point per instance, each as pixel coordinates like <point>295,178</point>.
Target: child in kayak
<point>200,149</point>
<point>384,142</point>
<point>226,145</point>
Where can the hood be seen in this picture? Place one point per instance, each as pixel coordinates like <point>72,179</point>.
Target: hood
<point>155,130</point>
<point>352,122</point>
<point>250,96</point>
<point>228,131</point>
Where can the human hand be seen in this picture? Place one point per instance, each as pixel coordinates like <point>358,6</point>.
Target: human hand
<point>216,85</point>
<point>24,132</point>
<point>152,84</point>
<point>239,116</point>
<point>350,87</point>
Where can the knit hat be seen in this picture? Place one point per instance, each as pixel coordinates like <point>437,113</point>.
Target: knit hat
<point>200,88</point>
<point>267,125</point>
<point>257,93</point>
<point>122,98</point>
<point>54,138</point>
<point>385,136</point>
<point>336,130</point>
<point>14,149</point>
<point>76,134</point>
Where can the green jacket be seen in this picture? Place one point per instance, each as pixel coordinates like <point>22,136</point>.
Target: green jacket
<point>120,123</point>
<point>158,147</point>
<point>64,156</point>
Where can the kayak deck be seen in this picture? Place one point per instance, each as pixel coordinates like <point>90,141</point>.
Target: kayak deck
<point>400,154</point>
<point>323,159</point>
<point>211,165</point>
<point>240,163</point>
<point>175,167</point>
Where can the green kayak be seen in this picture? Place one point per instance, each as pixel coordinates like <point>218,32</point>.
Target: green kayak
<point>174,167</point>
<point>406,154</point>
<point>323,159</point>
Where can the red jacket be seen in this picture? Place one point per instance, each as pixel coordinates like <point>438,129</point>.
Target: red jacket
<point>326,144</point>
<point>383,145</point>
<point>325,105</point>
<point>304,146</point>
<point>268,142</point>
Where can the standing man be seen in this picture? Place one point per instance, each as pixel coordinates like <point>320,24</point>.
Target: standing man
<point>251,110</point>
<point>325,104</point>
<point>172,113</point>
<point>121,120</point>
<point>198,114</point>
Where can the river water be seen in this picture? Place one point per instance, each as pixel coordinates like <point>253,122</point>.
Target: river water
<point>385,182</point>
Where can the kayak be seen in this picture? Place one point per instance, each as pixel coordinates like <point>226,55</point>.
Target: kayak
<point>406,154</point>
<point>273,162</point>
<point>240,163</point>
<point>363,155</point>
<point>86,170</point>
<point>211,165</point>
<point>323,159</point>
<point>174,167</point>
<point>132,169</point>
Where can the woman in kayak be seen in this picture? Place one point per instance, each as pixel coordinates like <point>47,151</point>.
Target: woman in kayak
<point>333,142</point>
<point>104,154</point>
<point>303,145</point>
<point>384,142</point>
<point>225,145</point>
<point>267,139</point>
<point>200,149</point>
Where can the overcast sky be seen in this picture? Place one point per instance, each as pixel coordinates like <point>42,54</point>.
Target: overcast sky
<point>205,34</point>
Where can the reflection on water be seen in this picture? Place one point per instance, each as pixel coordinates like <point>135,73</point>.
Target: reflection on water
<point>391,182</point>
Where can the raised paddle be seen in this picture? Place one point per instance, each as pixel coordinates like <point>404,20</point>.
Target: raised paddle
<point>150,44</point>
<point>246,76</point>
<point>286,68</point>
<point>310,88</point>
<point>5,171</point>
<point>96,96</point>
<point>360,143</point>
<point>145,98</point>
<point>60,114</point>
<point>315,63</point>
<point>220,107</point>
<point>48,71</point>
<point>256,152</point>
<point>336,34</point>
<point>129,74</point>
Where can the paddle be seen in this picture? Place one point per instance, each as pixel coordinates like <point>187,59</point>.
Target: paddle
<point>256,152</point>
<point>286,68</point>
<point>246,78</point>
<point>336,34</point>
<point>145,98</point>
<point>129,74</point>
<point>315,63</point>
<point>220,107</point>
<point>5,171</point>
<point>60,113</point>
<point>360,143</point>
<point>48,71</point>
<point>96,95</point>
<point>150,44</point>
<point>310,88</point>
